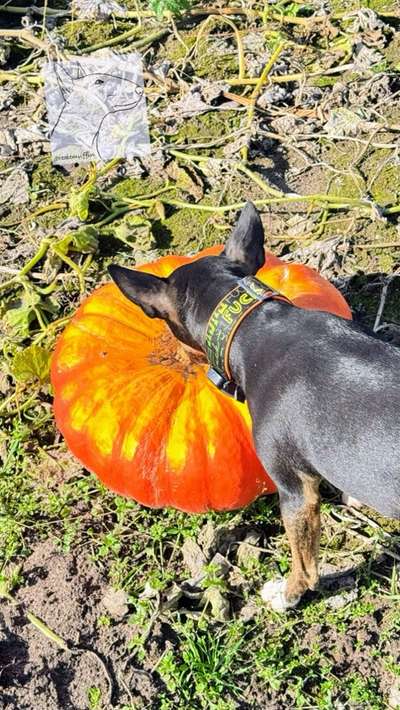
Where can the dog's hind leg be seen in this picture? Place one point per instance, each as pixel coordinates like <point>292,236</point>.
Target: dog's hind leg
<point>301,518</point>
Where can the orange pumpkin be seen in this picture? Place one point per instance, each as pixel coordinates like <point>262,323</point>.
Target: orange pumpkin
<point>137,409</point>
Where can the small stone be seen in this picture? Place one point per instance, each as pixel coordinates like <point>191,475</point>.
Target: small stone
<point>248,553</point>
<point>15,188</point>
<point>351,502</point>
<point>249,611</point>
<point>207,538</point>
<point>394,695</point>
<point>338,601</point>
<point>116,602</point>
<point>193,557</point>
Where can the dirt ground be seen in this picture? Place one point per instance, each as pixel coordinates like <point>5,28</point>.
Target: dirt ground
<point>69,594</point>
<point>105,603</point>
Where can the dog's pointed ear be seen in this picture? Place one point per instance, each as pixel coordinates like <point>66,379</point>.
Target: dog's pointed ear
<point>149,292</point>
<point>245,246</point>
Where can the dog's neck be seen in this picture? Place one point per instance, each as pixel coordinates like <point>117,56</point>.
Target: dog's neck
<point>246,337</point>
<point>202,301</point>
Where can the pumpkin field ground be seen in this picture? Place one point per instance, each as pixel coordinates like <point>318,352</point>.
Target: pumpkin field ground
<point>105,603</point>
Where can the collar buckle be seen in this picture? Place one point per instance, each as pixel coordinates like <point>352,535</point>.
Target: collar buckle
<point>228,387</point>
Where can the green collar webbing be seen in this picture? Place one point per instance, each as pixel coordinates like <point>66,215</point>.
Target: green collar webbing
<point>225,319</point>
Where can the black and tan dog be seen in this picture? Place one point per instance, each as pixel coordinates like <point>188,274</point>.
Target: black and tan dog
<point>324,396</point>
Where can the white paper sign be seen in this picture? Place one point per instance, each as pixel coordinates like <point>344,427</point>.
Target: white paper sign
<point>96,109</point>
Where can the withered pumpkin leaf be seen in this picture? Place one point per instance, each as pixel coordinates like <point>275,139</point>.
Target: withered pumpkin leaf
<point>32,363</point>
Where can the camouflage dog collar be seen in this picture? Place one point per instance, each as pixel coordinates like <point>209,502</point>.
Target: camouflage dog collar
<point>223,324</point>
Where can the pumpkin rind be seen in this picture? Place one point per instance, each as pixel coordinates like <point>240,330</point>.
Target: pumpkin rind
<point>144,418</point>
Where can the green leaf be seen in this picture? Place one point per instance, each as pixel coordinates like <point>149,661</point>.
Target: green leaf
<point>176,7</point>
<point>32,363</point>
<point>64,244</point>
<point>20,312</point>
<point>159,210</point>
<point>85,240</point>
<point>19,319</point>
<point>79,202</point>
<point>135,230</point>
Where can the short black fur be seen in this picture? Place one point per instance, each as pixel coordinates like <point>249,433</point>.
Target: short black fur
<point>324,396</point>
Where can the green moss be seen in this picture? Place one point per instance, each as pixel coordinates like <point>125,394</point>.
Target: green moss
<point>174,50</point>
<point>380,232</point>
<point>377,259</point>
<point>376,5</point>
<point>131,187</point>
<point>186,230</point>
<point>81,33</point>
<point>344,183</point>
<point>338,155</point>
<point>208,127</point>
<point>383,176</point>
<point>46,176</point>
<point>344,5</point>
<point>383,5</point>
<point>347,185</point>
<point>206,59</point>
<point>213,64</point>
<point>390,526</point>
<point>386,261</point>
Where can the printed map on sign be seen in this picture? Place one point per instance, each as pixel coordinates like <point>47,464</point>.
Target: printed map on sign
<point>96,109</point>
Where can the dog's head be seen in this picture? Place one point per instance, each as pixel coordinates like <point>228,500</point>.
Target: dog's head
<point>186,299</point>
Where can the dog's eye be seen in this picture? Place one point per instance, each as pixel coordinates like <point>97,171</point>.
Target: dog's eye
<point>99,81</point>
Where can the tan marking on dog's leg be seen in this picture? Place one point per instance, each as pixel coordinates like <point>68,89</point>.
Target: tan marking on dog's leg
<point>303,531</point>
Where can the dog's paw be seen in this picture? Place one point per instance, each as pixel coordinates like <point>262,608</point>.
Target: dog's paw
<point>274,593</point>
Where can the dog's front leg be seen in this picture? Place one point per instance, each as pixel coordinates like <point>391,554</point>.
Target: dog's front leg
<point>301,517</point>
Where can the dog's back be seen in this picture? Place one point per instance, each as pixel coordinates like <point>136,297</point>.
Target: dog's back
<point>326,395</point>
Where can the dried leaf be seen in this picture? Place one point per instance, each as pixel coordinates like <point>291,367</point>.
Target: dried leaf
<point>97,9</point>
<point>248,554</point>
<point>207,538</point>
<point>19,318</point>
<point>218,603</point>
